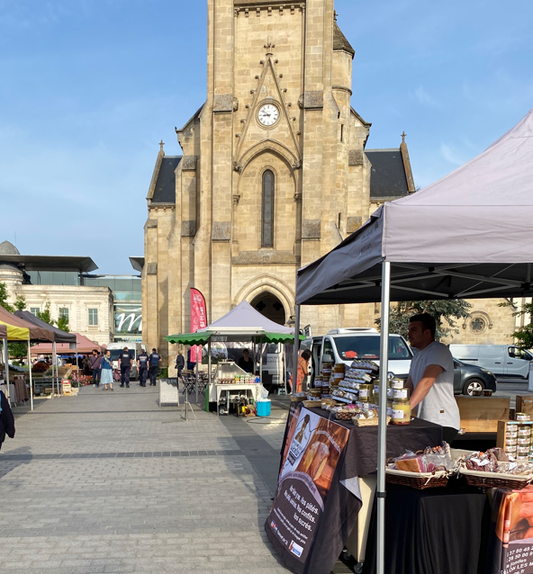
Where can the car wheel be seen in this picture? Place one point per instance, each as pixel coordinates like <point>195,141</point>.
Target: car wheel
<point>473,385</point>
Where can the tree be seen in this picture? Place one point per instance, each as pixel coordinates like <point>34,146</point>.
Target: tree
<point>20,303</point>
<point>45,315</point>
<point>524,334</point>
<point>62,324</point>
<point>3,298</point>
<point>16,350</point>
<point>445,312</point>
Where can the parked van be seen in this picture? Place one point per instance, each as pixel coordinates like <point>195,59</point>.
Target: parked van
<point>134,349</point>
<point>345,345</point>
<point>503,360</point>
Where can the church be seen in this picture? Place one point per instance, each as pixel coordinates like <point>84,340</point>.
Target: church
<point>274,172</point>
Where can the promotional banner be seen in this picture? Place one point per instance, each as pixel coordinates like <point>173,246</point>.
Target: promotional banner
<point>312,450</point>
<point>512,540</point>
<point>198,321</point>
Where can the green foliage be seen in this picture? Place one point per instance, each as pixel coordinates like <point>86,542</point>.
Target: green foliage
<point>45,315</point>
<point>20,303</point>
<point>3,299</point>
<point>445,313</point>
<point>523,335</point>
<point>62,324</point>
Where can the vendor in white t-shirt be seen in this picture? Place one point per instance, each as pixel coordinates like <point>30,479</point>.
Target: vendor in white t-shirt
<point>431,377</point>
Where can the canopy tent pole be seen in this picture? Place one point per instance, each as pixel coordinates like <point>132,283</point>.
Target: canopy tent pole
<point>196,383</point>
<point>296,349</point>
<point>78,365</point>
<point>6,362</point>
<point>31,378</point>
<point>54,366</point>
<point>209,359</point>
<point>382,429</point>
<point>261,360</point>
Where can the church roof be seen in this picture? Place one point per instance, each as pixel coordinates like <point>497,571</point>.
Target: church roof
<point>388,179</point>
<point>165,187</point>
<point>340,42</point>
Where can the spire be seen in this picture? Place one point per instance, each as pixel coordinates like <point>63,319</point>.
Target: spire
<point>407,164</point>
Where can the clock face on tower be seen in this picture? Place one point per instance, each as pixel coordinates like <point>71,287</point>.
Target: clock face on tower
<point>268,115</point>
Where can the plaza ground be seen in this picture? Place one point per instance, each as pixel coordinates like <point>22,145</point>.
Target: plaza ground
<point>109,482</point>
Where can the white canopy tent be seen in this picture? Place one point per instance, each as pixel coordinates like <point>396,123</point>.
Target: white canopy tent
<point>469,235</point>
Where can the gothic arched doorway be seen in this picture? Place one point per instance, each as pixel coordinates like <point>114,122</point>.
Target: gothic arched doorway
<point>270,306</point>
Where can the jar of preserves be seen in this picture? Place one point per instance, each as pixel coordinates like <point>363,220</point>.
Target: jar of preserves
<point>396,383</point>
<point>365,392</point>
<point>401,394</point>
<point>522,417</point>
<point>340,368</point>
<point>401,412</point>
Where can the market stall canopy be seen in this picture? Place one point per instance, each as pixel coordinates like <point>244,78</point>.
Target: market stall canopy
<point>243,322</point>
<point>20,330</point>
<point>84,345</point>
<point>469,235</point>
<point>59,335</point>
<point>3,331</point>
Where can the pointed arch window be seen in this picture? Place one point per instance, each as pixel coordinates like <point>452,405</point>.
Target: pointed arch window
<point>267,210</point>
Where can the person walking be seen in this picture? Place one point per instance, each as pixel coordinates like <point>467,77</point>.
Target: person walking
<point>125,362</point>
<point>107,371</point>
<point>7,420</point>
<point>154,360</point>
<point>95,362</point>
<point>180,363</point>
<point>142,367</point>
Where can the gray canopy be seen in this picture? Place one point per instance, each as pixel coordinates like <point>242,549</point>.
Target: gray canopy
<point>59,335</point>
<point>469,235</point>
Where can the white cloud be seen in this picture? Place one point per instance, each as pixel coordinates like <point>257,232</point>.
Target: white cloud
<point>452,155</point>
<point>424,98</point>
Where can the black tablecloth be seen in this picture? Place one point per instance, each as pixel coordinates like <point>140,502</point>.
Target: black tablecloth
<point>362,448</point>
<point>432,531</point>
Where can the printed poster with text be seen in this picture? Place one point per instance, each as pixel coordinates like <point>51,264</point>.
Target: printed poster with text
<point>512,541</point>
<point>312,451</point>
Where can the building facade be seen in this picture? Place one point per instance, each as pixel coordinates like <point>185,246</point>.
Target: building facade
<point>104,308</point>
<point>274,171</point>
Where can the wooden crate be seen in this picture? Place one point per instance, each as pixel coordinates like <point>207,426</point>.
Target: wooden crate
<point>524,405</point>
<point>481,414</point>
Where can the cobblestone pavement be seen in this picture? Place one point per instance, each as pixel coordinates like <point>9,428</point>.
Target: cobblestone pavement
<point>109,482</point>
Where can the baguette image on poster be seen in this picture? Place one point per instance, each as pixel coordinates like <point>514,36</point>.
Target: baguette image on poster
<point>313,449</point>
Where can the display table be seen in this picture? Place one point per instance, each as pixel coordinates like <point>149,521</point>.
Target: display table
<point>432,531</point>
<point>319,493</point>
<point>216,390</point>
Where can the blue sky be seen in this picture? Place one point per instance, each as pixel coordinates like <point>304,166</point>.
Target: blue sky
<point>89,87</point>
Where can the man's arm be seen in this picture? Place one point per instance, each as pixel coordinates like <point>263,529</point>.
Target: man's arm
<point>431,372</point>
<point>409,384</point>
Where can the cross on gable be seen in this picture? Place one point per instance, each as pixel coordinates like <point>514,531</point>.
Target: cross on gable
<point>269,46</point>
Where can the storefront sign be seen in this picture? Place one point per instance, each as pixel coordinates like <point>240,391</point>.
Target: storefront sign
<point>313,448</point>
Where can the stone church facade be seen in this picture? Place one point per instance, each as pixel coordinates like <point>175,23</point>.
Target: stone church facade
<point>274,172</point>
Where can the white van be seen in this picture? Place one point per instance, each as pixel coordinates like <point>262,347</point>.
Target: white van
<point>503,360</point>
<point>345,345</point>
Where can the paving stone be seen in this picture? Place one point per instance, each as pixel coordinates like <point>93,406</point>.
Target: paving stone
<point>110,483</point>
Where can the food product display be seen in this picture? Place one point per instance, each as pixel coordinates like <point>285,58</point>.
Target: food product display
<point>401,412</point>
<point>497,461</point>
<point>515,438</point>
<point>432,459</point>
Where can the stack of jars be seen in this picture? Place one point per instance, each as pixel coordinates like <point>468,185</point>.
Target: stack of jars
<point>519,439</point>
<point>401,402</point>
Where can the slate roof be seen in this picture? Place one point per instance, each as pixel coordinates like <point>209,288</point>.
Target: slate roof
<point>387,179</point>
<point>165,188</point>
<point>340,42</point>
